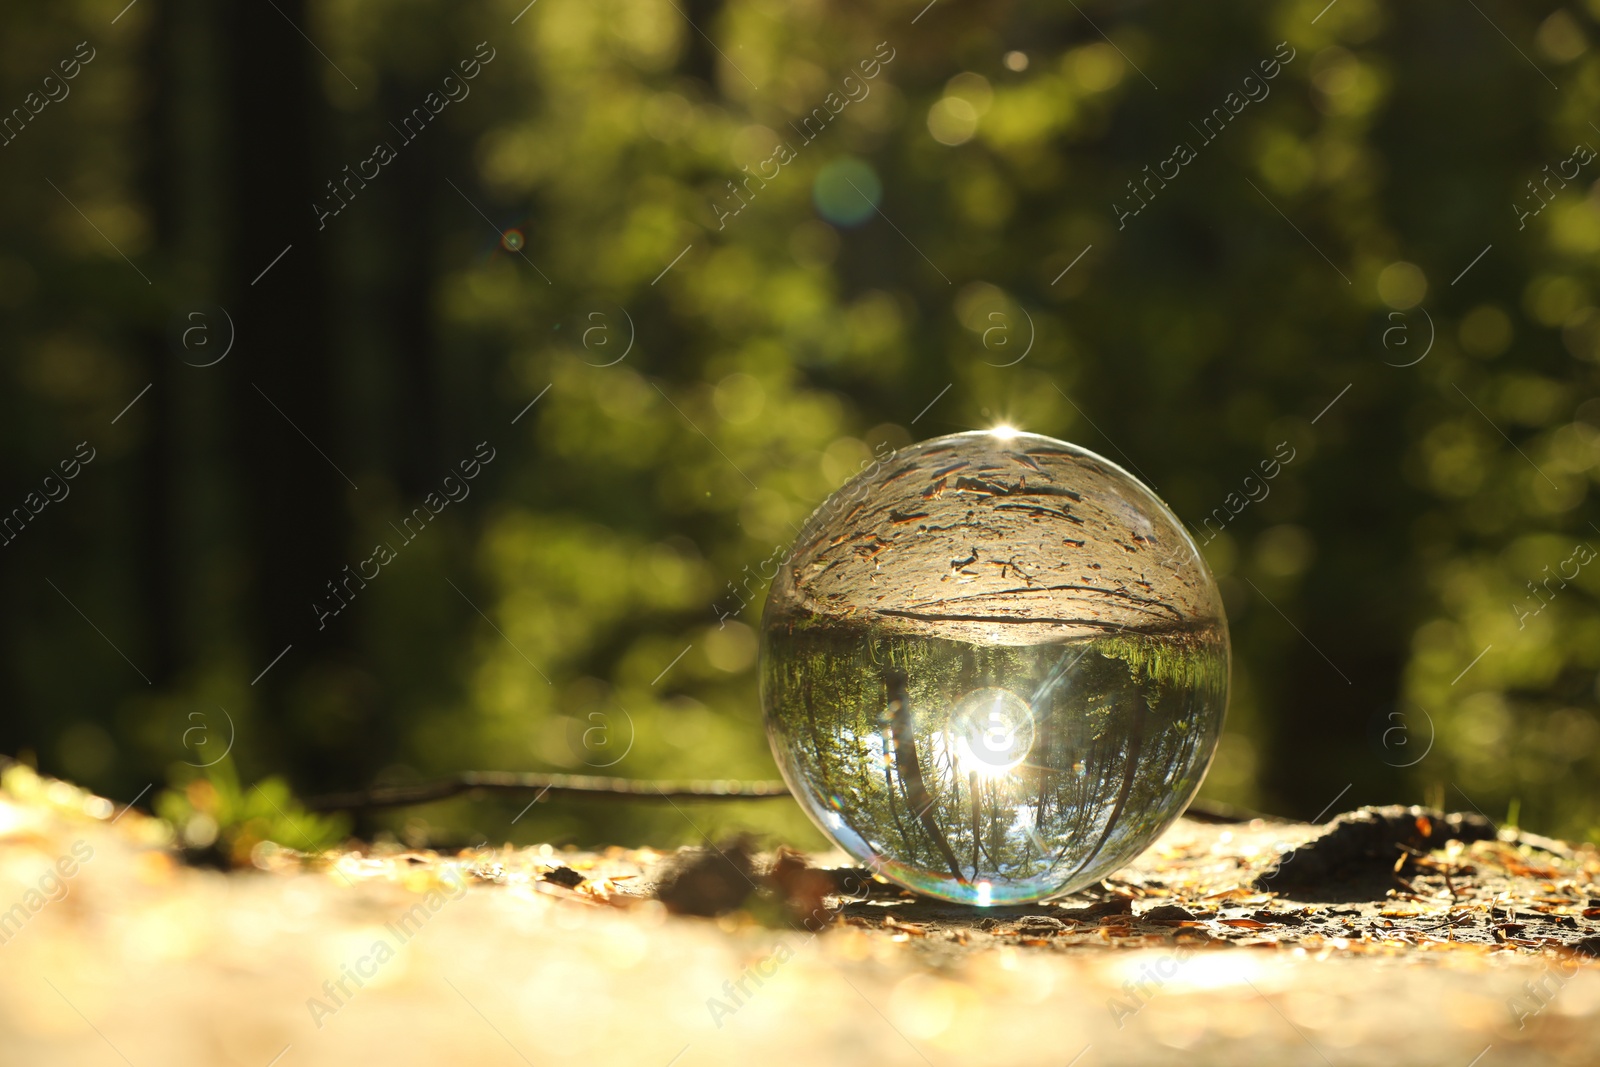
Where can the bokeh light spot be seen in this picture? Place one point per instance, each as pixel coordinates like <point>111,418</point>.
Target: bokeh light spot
<point>846,191</point>
<point>1402,285</point>
<point>952,121</point>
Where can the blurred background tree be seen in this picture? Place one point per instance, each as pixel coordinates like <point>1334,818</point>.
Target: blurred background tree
<point>1383,264</point>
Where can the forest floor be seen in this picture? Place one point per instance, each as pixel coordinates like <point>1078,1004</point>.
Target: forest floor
<point>1388,937</point>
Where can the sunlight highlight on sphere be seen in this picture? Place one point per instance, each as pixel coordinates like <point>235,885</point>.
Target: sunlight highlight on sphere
<point>994,667</point>
<point>991,731</point>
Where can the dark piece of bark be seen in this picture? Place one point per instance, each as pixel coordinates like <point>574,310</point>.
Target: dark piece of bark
<point>709,882</point>
<point>564,876</point>
<point>1282,918</point>
<point>1354,859</point>
<point>1094,912</point>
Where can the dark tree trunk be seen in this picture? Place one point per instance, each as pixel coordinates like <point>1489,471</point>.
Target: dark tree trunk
<point>1331,727</point>
<point>700,58</point>
<point>155,534</point>
<point>288,436</point>
<point>408,302</point>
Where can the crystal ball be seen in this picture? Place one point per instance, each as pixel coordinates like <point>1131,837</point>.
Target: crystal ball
<point>994,667</point>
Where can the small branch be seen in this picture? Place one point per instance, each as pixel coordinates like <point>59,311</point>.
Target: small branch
<point>596,787</point>
<point>574,786</point>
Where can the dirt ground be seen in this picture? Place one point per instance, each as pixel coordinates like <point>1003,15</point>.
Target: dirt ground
<point>1396,937</point>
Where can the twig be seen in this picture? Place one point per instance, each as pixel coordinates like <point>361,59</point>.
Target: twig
<point>596,787</point>
<point>577,786</point>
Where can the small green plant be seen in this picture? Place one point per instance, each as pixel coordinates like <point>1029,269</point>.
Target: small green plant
<point>215,818</point>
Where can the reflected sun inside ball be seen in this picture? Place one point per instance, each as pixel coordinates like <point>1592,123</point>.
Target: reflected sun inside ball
<point>992,732</point>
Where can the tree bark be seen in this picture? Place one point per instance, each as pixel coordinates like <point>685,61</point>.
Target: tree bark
<point>292,456</point>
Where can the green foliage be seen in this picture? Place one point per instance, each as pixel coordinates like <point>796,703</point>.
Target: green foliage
<point>211,812</point>
<point>1182,660</point>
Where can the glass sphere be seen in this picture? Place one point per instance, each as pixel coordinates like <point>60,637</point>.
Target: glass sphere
<point>994,667</point>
